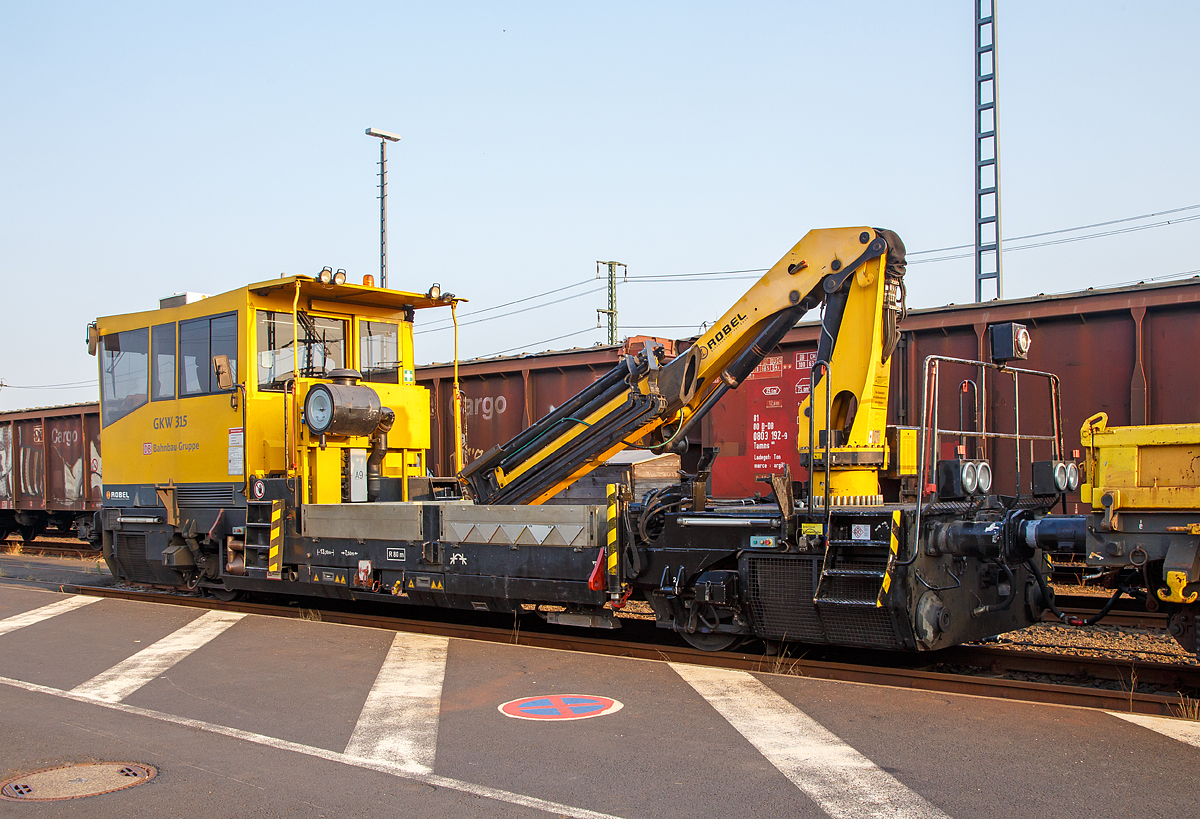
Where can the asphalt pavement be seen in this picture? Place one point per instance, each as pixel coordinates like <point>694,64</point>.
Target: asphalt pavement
<point>253,716</point>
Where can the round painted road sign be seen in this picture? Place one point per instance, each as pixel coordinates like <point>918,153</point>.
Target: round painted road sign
<point>560,707</point>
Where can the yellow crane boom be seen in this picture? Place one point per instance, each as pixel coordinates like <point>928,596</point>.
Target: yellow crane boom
<point>644,401</point>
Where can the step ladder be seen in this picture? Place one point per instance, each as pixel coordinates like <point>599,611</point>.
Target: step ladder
<point>264,539</point>
<point>839,586</point>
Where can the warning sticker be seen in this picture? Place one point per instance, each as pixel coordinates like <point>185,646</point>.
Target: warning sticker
<point>236,450</point>
<point>560,707</point>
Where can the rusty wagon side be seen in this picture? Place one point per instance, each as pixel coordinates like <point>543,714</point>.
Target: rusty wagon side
<point>50,470</point>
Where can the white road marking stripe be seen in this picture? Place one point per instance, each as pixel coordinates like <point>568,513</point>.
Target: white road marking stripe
<point>381,766</point>
<point>399,721</point>
<point>1183,730</point>
<point>843,782</point>
<point>129,675</point>
<point>28,618</point>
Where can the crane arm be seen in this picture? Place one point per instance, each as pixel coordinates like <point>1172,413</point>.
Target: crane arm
<point>643,395</point>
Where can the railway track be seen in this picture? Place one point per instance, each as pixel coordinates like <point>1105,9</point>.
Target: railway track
<point>975,670</point>
<point>64,546</point>
<point>1126,613</point>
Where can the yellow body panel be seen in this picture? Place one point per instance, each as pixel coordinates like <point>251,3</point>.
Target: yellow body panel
<point>770,294</point>
<point>904,456</point>
<point>225,437</point>
<point>859,382</point>
<point>1144,467</point>
<point>163,440</point>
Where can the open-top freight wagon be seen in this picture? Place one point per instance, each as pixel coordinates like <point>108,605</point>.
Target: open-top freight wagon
<point>50,476</point>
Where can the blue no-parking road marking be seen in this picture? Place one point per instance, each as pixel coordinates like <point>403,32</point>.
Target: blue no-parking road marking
<point>560,707</point>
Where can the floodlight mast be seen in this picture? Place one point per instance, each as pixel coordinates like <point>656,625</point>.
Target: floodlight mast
<point>384,138</point>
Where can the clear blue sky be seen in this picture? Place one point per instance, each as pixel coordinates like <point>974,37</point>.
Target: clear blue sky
<point>147,149</point>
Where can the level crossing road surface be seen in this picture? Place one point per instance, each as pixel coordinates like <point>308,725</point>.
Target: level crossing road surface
<point>254,716</point>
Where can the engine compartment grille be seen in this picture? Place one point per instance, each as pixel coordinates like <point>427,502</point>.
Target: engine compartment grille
<point>130,551</point>
<point>781,592</point>
<point>204,494</point>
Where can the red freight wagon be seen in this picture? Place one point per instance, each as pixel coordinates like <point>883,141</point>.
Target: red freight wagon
<point>755,426</point>
<point>49,470</point>
<point>1125,351</point>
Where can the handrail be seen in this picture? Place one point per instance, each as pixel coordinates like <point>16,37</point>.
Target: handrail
<point>931,432</point>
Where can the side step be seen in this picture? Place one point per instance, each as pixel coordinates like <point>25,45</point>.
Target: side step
<point>834,601</point>
<point>569,618</point>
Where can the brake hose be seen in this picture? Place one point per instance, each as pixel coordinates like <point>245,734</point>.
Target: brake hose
<point>1048,596</point>
<point>1071,621</point>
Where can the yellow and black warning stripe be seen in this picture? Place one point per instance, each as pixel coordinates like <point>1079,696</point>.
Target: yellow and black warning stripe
<point>612,553</point>
<point>893,553</point>
<point>275,553</point>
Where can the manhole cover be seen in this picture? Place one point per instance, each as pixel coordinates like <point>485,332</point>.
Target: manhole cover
<point>76,781</point>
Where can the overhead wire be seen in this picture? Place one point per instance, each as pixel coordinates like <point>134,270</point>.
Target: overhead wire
<point>1066,230</point>
<point>1061,241</point>
<point>545,341</point>
<point>740,274</point>
<point>72,385</point>
<point>511,313</point>
<point>517,301</point>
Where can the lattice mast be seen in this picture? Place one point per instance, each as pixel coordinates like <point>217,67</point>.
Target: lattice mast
<point>988,253</point>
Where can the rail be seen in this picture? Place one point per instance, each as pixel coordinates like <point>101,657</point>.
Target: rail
<point>987,660</point>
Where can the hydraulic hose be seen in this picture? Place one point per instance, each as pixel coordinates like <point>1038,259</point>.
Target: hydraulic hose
<point>1072,621</point>
<point>1048,595</point>
<point>1003,605</point>
<point>1100,615</point>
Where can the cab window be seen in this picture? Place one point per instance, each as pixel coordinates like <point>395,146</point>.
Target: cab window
<point>322,347</point>
<point>199,340</point>
<point>379,351</point>
<point>124,373</point>
<point>162,358</point>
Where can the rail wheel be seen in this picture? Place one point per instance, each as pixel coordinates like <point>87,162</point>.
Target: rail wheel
<point>226,595</point>
<point>28,533</point>
<point>701,632</point>
<point>712,641</point>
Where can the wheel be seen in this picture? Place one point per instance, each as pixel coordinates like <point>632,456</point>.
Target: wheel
<point>28,533</point>
<point>226,595</point>
<point>712,641</point>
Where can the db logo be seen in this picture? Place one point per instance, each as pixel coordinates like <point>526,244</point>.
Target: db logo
<point>258,489</point>
<point>147,449</point>
<point>770,390</point>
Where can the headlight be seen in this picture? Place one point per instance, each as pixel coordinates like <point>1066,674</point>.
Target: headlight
<point>339,277</point>
<point>1024,342</point>
<point>1060,476</point>
<point>1072,476</point>
<point>342,409</point>
<point>318,410</point>
<point>326,275</point>
<point>970,477</point>
<point>985,478</point>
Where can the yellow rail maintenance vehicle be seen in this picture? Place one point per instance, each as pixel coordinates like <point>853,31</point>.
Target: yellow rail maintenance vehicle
<point>203,409</point>
<point>272,439</point>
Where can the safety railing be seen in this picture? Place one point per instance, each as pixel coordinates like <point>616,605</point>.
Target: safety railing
<point>932,432</point>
